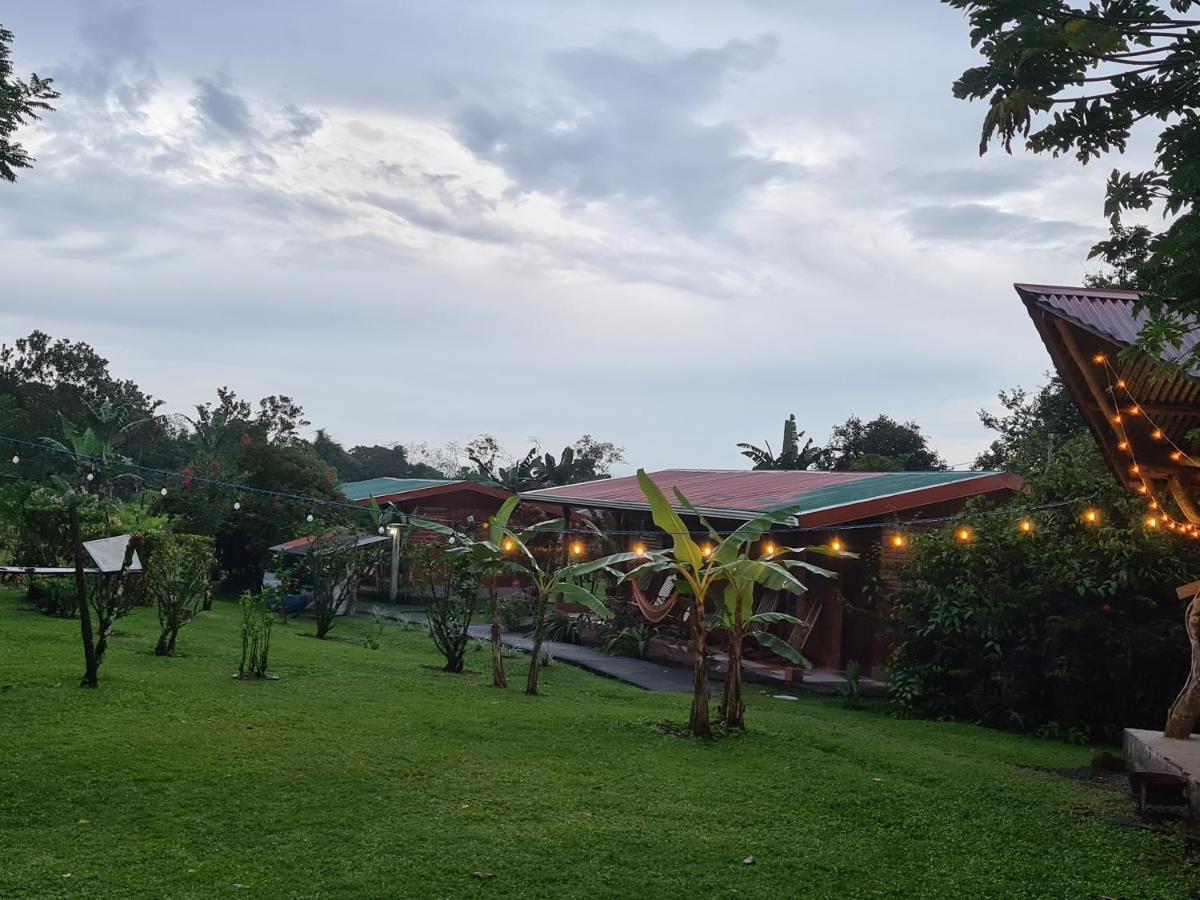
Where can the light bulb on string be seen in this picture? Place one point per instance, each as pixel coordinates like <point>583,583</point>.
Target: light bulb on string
<point>577,549</point>
<point>16,460</point>
<point>1157,434</point>
<point>769,549</point>
<point>1176,456</point>
<point>1152,522</point>
<point>163,492</point>
<point>963,535</point>
<point>90,476</point>
<point>639,549</point>
<point>1099,359</point>
<point>1025,526</point>
<point>836,545</point>
<point>308,518</point>
<point>1123,445</point>
<point>899,540</point>
<point>1091,516</point>
<point>237,505</point>
<point>707,550</point>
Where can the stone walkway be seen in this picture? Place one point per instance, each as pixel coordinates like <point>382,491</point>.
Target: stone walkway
<point>642,673</point>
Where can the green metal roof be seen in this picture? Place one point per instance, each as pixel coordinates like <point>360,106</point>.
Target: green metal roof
<point>385,487</point>
<point>879,486</point>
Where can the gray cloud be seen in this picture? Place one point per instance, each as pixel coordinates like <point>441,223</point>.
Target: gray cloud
<point>223,113</point>
<point>967,222</point>
<point>454,221</point>
<point>629,128</point>
<point>301,123</point>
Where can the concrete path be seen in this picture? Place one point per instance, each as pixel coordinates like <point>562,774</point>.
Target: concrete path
<point>642,673</point>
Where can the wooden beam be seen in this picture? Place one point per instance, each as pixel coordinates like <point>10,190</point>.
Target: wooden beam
<point>1184,499</point>
<point>1100,397</point>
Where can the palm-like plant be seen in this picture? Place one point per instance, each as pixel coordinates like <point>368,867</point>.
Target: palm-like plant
<point>792,456</point>
<point>725,573</point>
<point>94,446</point>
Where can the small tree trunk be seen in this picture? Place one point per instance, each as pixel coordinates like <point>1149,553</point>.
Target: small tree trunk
<point>535,665</point>
<point>91,663</point>
<point>162,648</point>
<point>733,709</point>
<point>498,677</point>
<point>1185,711</point>
<point>698,723</point>
<point>171,642</point>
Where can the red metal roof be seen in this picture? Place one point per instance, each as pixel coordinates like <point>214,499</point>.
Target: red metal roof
<point>824,498</point>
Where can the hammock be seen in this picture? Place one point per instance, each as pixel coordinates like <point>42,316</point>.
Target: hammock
<point>656,612</point>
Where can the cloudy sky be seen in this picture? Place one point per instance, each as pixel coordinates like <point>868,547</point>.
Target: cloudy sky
<point>667,224</point>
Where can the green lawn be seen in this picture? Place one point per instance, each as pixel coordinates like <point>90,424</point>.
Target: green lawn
<point>364,773</point>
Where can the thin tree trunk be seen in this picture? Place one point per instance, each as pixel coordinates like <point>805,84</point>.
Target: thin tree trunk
<point>90,660</point>
<point>1185,711</point>
<point>161,649</point>
<point>733,709</point>
<point>535,665</point>
<point>698,723</point>
<point>499,679</point>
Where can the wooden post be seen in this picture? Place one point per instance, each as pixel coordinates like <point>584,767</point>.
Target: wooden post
<point>394,583</point>
<point>1185,711</point>
<point>90,673</point>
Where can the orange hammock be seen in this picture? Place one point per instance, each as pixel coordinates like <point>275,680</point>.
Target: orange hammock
<point>654,613</point>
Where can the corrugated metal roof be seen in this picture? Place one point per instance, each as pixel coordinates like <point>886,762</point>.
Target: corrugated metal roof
<point>1107,313</point>
<point>385,487</point>
<point>743,494</point>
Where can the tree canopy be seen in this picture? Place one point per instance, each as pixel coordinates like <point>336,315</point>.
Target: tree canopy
<point>1080,79</point>
<point>21,102</point>
<point>791,455</point>
<point>882,444</point>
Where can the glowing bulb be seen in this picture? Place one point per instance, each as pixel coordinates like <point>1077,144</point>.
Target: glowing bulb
<point>1121,383</point>
<point>1154,504</point>
<point>91,476</point>
<point>1142,489</point>
<point>381,529</point>
<point>1025,525</point>
<point>1135,410</point>
<point>1134,470</point>
<point>1117,419</point>
<point>163,492</point>
<point>707,550</point>
<point>1091,516</point>
<point>898,540</point>
<point>308,518</point>
<point>639,549</point>
<point>1098,359</point>
<point>1123,445</point>
<point>769,549</point>
<point>16,460</point>
<point>1151,521</point>
<point>1177,455</point>
<point>577,548</point>
<point>1157,434</point>
<point>836,545</point>
<point>963,535</point>
<point>507,544</point>
<point>237,504</point>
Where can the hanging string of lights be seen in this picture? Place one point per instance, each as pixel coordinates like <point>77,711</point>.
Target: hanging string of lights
<point>898,529</point>
<point>1158,515</point>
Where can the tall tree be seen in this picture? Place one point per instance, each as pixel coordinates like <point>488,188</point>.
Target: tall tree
<point>1032,428</point>
<point>791,454</point>
<point>882,444</point>
<point>1089,75</point>
<point>21,102</point>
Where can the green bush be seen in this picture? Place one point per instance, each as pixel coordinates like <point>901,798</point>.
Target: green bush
<point>1070,631</point>
<point>176,580</point>
<point>43,530</point>
<point>54,597</point>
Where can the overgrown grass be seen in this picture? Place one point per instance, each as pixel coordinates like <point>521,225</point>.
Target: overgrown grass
<point>362,772</point>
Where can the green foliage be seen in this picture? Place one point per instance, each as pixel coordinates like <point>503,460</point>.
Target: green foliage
<point>1089,78</point>
<point>176,571</point>
<point>54,597</point>
<point>1032,428</point>
<point>882,444</point>
<point>791,455</point>
<point>853,698</point>
<point>450,588</point>
<point>21,102</point>
<point>563,628</point>
<point>1073,625</point>
<point>43,531</point>
<point>631,641</point>
<point>258,618</point>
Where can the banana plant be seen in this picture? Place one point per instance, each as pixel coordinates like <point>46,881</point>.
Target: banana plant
<point>94,446</point>
<point>507,551</point>
<point>721,574</point>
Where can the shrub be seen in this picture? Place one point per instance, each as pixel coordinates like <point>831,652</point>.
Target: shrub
<point>451,598</point>
<point>258,617</point>
<point>1067,631</point>
<point>54,597</point>
<point>632,641</point>
<point>563,628</point>
<point>176,580</point>
<point>43,531</point>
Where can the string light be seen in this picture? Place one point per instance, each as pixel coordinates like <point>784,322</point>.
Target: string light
<point>1152,522</point>
<point>964,535</point>
<point>1091,516</point>
<point>639,549</point>
<point>506,544</point>
<point>91,476</point>
<point>16,460</point>
<point>707,550</point>
<point>899,540</point>
<point>237,504</point>
<point>1157,434</point>
<point>577,548</point>
<point>1025,526</point>
<point>769,549</point>
<point>836,545</point>
<point>307,518</point>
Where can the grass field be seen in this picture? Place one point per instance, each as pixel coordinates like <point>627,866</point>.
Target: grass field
<point>364,773</point>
